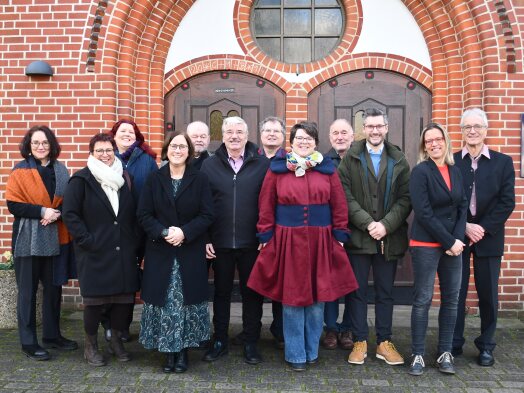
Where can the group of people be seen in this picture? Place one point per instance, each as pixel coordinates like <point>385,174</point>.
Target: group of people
<point>301,228</point>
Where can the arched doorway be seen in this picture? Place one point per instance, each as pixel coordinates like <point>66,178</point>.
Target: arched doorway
<point>408,106</point>
<point>213,96</point>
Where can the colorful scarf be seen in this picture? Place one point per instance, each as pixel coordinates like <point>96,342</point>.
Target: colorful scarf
<point>25,185</point>
<point>125,156</point>
<point>300,165</point>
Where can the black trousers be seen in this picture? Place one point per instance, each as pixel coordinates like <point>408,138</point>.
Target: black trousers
<point>383,278</point>
<point>118,315</point>
<point>224,267</point>
<point>29,272</point>
<point>486,271</point>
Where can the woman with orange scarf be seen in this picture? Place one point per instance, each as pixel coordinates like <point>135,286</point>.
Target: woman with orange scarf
<point>40,242</point>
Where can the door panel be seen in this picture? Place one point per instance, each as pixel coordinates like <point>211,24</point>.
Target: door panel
<point>213,96</point>
<point>408,106</point>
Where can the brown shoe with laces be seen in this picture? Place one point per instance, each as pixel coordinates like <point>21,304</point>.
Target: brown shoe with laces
<point>330,340</point>
<point>388,353</point>
<point>345,340</point>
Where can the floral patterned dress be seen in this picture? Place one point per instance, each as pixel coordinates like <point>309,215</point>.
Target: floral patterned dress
<point>174,326</point>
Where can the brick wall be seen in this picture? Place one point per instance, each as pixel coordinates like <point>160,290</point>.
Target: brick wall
<point>474,47</point>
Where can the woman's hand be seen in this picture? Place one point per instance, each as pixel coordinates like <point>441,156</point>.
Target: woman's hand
<point>456,248</point>
<point>175,236</point>
<point>50,216</point>
<point>261,246</point>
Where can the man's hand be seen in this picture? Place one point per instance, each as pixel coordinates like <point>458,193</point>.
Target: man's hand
<point>210,251</point>
<point>377,230</point>
<point>474,232</point>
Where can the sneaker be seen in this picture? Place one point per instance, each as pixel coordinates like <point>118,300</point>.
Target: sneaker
<point>330,340</point>
<point>387,352</point>
<point>359,353</point>
<point>345,340</point>
<point>445,363</point>
<point>417,365</point>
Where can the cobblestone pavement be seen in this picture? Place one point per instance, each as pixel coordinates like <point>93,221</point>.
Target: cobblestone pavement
<point>68,372</point>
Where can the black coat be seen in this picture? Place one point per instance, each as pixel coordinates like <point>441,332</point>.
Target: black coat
<point>440,213</point>
<point>495,190</point>
<point>235,197</point>
<point>105,245</point>
<point>192,211</point>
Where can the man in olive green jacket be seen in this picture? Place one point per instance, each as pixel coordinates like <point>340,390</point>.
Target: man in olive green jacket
<point>378,209</point>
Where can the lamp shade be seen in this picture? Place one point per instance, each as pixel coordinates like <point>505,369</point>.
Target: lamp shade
<point>39,68</point>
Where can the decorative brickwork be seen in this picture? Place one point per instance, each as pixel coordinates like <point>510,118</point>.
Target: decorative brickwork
<point>475,48</point>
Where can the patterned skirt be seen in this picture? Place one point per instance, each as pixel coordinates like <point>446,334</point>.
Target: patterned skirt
<point>174,326</point>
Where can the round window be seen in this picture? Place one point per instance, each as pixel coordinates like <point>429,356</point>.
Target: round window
<point>297,31</point>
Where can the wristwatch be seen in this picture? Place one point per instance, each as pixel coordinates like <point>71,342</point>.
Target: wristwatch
<point>165,232</point>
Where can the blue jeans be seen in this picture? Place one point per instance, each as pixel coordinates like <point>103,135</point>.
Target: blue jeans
<point>302,330</point>
<point>331,316</point>
<point>427,262</point>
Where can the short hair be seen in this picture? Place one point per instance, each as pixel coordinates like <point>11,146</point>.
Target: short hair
<point>199,123</point>
<point>273,119</point>
<point>233,120</point>
<point>423,154</point>
<point>54,146</point>
<point>474,112</point>
<point>374,112</point>
<point>170,135</point>
<point>138,135</point>
<point>343,120</point>
<point>101,137</point>
<point>309,127</point>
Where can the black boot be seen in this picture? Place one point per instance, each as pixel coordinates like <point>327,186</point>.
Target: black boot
<point>91,352</point>
<point>117,348</point>
<point>169,365</point>
<point>181,362</point>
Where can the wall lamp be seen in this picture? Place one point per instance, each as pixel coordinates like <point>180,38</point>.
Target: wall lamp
<point>39,68</point>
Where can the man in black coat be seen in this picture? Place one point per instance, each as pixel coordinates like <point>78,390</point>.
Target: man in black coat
<point>489,181</point>
<point>198,132</point>
<point>235,173</point>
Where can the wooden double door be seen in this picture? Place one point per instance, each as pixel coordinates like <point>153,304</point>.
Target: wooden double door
<point>211,97</point>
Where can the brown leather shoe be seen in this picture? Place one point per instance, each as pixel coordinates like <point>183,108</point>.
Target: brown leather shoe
<point>345,340</point>
<point>330,340</point>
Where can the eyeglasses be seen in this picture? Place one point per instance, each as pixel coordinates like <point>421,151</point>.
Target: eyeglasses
<point>45,144</point>
<point>179,147</point>
<point>269,131</point>
<point>476,127</point>
<point>101,152</point>
<point>307,139</point>
<point>229,133</point>
<point>429,142</point>
<point>370,127</point>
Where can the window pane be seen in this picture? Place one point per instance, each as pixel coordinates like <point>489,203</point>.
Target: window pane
<point>294,3</point>
<point>323,46</point>
<point>262,3</point>
<point>297,22</point>
<point>232,113</point>
<point>328,22</point>
<point>271,46</point>
<point>215,125</point>
<point>319,3</point>
<point>297,50</point>
<point>267,22</point>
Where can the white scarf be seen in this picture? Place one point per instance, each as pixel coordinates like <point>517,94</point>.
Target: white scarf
<point>109,177</point>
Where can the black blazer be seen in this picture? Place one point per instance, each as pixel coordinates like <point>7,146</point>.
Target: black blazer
<point>440,214</point>
<point>192,211</point>
<point>495,189</point>
<point>106,245</point>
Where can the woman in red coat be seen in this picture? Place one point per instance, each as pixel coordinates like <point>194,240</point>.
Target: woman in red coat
<point>303,219</point>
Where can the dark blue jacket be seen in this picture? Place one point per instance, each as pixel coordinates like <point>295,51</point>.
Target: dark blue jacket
<point>440,213</point>
<point>139,165</point>
<point>495,189</point>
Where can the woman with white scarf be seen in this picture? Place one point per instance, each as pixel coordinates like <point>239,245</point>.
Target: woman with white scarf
<point>302,225</point>
<point>99,211</point>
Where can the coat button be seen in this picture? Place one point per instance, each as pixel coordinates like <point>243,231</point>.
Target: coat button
<point>305,208</point>
<point>115,222</point>
<point>305,221</point>
<point>117,248</point>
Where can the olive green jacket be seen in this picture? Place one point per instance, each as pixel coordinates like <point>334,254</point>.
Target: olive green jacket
<point>397,206</point>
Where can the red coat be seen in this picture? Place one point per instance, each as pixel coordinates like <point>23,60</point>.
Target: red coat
<point>302,220</point>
